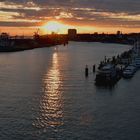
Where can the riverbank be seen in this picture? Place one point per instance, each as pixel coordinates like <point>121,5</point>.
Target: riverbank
<point>24,47</point>
<point>8,44</point>
<point>13,45</point>
<point>105,38</point>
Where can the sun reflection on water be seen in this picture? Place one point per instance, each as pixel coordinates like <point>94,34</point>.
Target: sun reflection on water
<point>51,113</point>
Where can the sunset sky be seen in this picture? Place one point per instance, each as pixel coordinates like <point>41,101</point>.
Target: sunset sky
<point>87,16</point>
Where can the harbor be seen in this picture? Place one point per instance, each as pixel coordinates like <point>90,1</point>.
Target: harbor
<point>125,65</point>
<point>69,70</point>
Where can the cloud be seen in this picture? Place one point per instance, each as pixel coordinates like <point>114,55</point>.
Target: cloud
<point>83,12</point>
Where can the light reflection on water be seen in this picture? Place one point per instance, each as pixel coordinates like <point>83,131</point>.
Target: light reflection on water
<point>51,105</point>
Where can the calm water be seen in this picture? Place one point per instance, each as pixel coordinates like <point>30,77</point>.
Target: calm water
<point>44,95</point>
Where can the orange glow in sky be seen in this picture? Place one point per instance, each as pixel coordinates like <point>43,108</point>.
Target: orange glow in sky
<point>25,17</point>
<point>54,26</point>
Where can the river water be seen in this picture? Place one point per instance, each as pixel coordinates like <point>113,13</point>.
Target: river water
<point>44,95</point>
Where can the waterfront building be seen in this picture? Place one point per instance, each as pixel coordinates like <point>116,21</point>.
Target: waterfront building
<point>72,33</point>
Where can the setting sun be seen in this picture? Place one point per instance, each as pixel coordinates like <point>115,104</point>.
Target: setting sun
<point>54,26</point>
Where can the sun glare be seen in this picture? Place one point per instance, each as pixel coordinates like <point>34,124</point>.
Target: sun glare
<point>54,26</point>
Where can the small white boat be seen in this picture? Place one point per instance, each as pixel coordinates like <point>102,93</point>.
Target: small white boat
<point>129,71</point>
<point>137,62</point>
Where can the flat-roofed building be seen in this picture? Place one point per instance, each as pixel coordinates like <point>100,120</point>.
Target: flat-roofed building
<point>72,33</point>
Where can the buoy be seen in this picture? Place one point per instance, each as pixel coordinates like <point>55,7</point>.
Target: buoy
<point>105,59</point>
<point>94,68</point>
<point>86,71</point>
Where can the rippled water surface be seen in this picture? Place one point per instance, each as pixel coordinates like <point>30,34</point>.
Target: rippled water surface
<point>44,95</point>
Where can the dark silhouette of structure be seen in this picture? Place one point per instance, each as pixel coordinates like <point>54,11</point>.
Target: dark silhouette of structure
<point>119,37</point>
<point>72,34</point>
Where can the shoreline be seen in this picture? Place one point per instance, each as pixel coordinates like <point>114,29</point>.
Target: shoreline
<point>123,43</point>
<point>35,45</point>
<point>17,49</point>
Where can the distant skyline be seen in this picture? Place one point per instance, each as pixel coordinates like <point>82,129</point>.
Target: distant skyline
<point>87,16</point>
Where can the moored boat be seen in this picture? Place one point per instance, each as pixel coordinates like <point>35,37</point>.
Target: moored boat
<point>129,71</point>
<point>107,75</point>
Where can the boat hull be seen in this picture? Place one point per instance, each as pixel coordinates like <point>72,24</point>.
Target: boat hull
<point>106,81</point>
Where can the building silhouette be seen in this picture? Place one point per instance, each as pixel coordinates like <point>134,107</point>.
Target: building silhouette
<point>72,33</point>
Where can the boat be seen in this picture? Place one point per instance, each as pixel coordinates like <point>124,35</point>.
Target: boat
<point>107,75</point>
<point>129,71</point>
<point>137,62</point>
